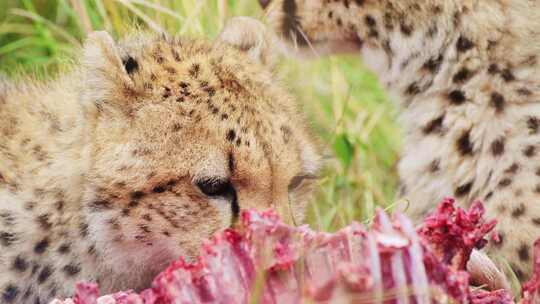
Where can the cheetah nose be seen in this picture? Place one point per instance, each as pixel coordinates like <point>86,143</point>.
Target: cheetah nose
<point>264,3</point>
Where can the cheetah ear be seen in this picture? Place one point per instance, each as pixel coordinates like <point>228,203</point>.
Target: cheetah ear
<point>252,37</point>
<point>103,67</point>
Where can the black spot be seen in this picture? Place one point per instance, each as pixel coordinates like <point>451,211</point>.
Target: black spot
<point>41,246</point>
<point>493,69</point>
<point>370,21</point>
<point>462,76</point>
<point>133,204</point>
<point>497,101</point>
<point>518,211</point>
<point>529,151</point>
<point>167,92</point>
<point>497,147</point>
<point>435,166</point>
<point>137,195</point>
<point>7,238</point>
<point>464,44</point>
<point>130,64</point>
<point>71,270</point>
<point>536,221</point>
<point>507,75</point>
<point>9,294</point>
<point>533,123</point>
<point>406,29</point>
<point>158,189</point>
<point>505,182</point>
<point>20,264</point>
<point>64,248</point>
<point>412,89</point>
<point>512,169</point>
<point>434,126</point>
<point>433,64</point>
<point>488,196</point>
<point>464,144</point>
<point>456,97</point>
<point>231,135</point>
<point>44,274</point>
<point>463,189</point>
<point>523,253</point>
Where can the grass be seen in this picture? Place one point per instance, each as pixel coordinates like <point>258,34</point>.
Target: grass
<point>344,102</point>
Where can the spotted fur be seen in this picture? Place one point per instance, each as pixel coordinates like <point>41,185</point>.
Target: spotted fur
<point>142,151</point>
<point>466,74</point>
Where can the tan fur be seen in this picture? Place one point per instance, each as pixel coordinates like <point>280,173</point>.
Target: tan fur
<point>467,75</point>
<point>99,168</point>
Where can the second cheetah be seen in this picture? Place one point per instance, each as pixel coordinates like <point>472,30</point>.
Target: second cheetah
<point>466,74</point>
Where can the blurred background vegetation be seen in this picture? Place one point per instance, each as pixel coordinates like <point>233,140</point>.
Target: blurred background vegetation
<point>344,102</point>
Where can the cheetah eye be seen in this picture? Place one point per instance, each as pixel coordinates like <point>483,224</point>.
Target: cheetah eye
<point>215,186</point>
<point>297,181</point>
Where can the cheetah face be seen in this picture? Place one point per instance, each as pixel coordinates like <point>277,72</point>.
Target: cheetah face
<point>314,28</point>
<point>185,134</point>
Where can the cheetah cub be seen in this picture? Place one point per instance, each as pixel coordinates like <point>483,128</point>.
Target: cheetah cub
<point>142,151</point>
<point>466,74</point>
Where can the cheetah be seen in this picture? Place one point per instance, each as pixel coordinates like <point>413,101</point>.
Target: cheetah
<point>138,153</point>
<point>466,75</point>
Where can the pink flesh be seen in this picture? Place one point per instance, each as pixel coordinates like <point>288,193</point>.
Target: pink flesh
<point>270,262</point>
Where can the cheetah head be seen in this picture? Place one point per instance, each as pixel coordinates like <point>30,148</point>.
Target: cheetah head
<point>185,134</point>
<point>319,27</point>
<point>313,27</point>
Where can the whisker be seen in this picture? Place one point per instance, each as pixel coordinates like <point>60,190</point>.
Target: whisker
<point>306,38</point>
<point>293,37</point>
